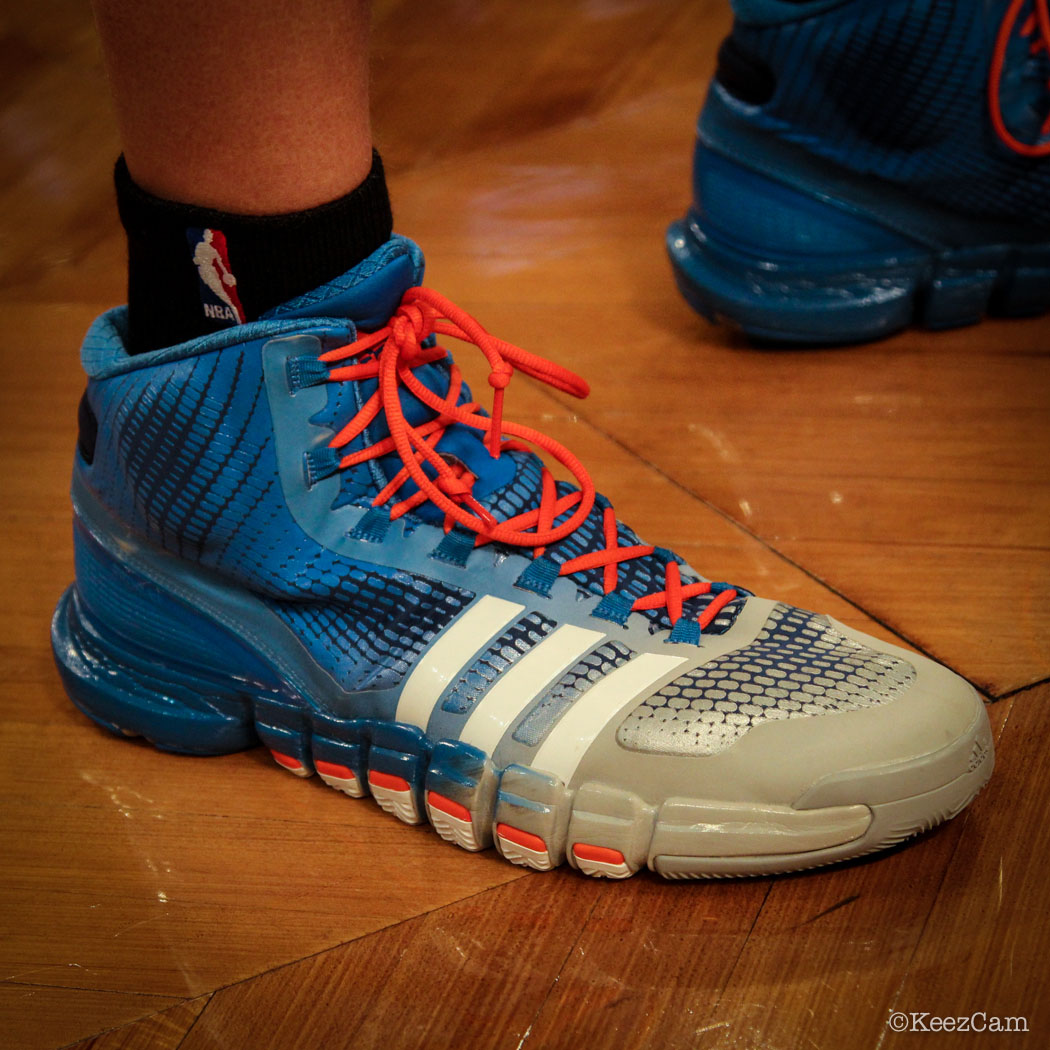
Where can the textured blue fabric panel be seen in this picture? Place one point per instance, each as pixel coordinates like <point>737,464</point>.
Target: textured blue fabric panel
<point>368,629</point>
<point>186,457</point>
<point>520,494</point>
<point>897,90</point>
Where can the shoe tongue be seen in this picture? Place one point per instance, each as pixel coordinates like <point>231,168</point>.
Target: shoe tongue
<point>367,294</point>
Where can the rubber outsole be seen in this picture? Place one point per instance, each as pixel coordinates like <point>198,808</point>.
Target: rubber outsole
<point>531,818</point>
<point>814,302</point>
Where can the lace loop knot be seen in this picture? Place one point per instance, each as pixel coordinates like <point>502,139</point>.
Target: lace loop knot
<point>400,347</point>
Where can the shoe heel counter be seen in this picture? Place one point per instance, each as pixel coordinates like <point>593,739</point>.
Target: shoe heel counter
<point>141,616</point>
<point>97,460</point>
<point>762,217</point>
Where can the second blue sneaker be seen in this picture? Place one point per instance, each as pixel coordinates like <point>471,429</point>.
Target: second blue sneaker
<point>304,532</point>
<point>862,165</point>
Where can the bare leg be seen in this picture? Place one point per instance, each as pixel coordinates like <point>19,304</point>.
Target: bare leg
<point>251,108</point>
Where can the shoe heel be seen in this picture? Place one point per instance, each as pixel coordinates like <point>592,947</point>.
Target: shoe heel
<point>140,662</point>
<point>786,266</point>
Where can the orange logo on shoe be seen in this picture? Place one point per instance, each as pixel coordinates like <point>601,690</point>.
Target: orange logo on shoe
<point>1036,29</point>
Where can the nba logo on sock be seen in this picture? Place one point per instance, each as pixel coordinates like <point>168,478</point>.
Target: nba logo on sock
<point>218,286</point>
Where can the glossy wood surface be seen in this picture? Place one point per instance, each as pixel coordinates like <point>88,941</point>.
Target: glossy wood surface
<point>536,151</point>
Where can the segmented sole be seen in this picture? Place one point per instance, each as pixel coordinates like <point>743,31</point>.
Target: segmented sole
<point>532,819</point>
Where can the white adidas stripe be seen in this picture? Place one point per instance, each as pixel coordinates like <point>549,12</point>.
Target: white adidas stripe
<point>449,654</point>
<point>518,686</point>
<point>568,741</point>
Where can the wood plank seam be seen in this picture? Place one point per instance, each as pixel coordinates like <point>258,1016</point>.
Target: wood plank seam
<point>561,967</point>
<point>964,819</point>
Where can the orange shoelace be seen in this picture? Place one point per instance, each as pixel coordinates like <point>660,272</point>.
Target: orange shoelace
<point>1037,26</point>
<point>392,353</point>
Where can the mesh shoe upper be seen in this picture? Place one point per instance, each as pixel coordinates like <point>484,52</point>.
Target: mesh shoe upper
<point>305,532</point>
<point>798,665</point>
<point>899,90</point>
<point>186,456</point>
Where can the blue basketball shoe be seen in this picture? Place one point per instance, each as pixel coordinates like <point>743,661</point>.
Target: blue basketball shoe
<point>862,165</point>
<point>304,531</point>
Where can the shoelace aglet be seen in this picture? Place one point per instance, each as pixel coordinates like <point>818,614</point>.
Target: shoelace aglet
<point>499,377</point>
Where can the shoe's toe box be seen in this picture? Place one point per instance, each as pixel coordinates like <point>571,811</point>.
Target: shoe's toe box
<point>808,744</point>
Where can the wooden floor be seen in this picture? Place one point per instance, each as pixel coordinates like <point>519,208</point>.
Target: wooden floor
<point>536,150</point>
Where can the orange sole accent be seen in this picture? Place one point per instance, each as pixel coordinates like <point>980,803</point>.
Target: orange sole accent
<point>286,760</point>
<point>387,780</point>
<point>446,805</point>
<point>601,854</point>
<point>521,838</point>
<point>332,769</point>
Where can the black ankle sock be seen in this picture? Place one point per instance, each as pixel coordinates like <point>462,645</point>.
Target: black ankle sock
<point>195,270</point>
